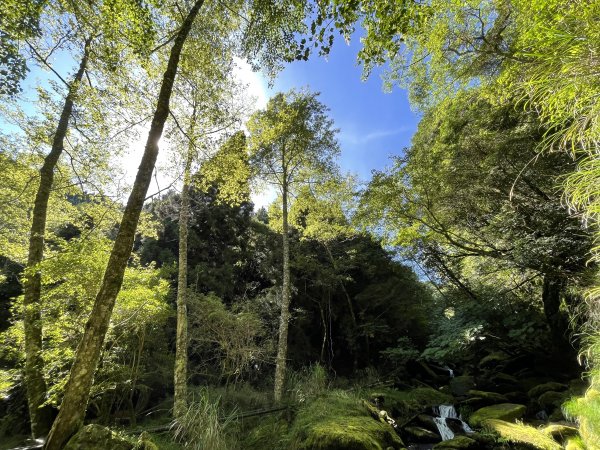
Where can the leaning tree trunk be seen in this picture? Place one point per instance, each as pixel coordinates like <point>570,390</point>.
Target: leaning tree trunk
<point>180,373</point>
<point>72,409</point>
<point>282,345</point>
<point>40,416</point>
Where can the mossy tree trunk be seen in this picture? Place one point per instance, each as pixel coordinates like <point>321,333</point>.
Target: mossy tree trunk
<point>282,345</point>
<point>76,396</point>
<point>40,416</point>
<point>181,345</point>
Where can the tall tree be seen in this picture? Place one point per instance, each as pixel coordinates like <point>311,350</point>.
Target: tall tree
<point>292,142</point>
<point>70,26</point>
<point>75,400</point>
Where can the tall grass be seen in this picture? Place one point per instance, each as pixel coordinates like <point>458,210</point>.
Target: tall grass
<point>201,426</point>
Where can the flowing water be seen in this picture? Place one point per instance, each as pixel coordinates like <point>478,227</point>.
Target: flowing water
<point>448,412</point>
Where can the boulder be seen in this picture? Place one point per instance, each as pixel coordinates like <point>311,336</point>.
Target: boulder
<point>96,437</point>
<point>551,400</point>
<point>336,421</point>
<point>460,386</point>
<point>503,411</point>
<point>540,389</point>
<point>459,442</point>
<point>489,398</point>
<point>418,434</point>
<point>425,421</point>
<point>493,360</point>
<point>504,378</point>
<point>517,397</point>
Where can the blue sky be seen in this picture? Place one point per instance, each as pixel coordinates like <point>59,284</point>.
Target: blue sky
<point>373,124</point>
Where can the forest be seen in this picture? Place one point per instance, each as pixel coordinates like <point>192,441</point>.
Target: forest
<point>448,301</point>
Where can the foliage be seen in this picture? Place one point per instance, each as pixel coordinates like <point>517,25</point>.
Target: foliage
<point>136,325</point>
<point>311,383</point>
<point>202,426</point>
<point>403,352</point>
<point>292,140</point>
<point>233,339</point>
<point>18,21</point>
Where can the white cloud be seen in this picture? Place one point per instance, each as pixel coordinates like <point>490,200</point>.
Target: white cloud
<point>256,84</point>
<point>360,139</point>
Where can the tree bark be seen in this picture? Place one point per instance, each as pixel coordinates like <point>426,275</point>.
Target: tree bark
<point>557,321</point>
<point>285,303</point>
<point>180,373</point>
<point>76,396</point>
<point>41,417</point>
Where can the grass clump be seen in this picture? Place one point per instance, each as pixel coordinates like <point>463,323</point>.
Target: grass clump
<point>339,420</point>
<point>521,433</point>
<point>201,427</point>
<point>586,411</point>
<point>308,384</point>
<point>269,432</point>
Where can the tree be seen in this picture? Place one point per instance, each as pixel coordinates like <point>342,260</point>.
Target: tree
<point>78,387</point>
<point>291,143</point>
<point>18,21</point>
<point>472,187</point>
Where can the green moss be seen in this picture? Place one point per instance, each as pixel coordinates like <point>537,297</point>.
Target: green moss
<point>96,437</point>
<point>521,433</point>
<point>457,443</point>
<point>538,390</point>
<point>491,397</point>
<point>266,432</point>
<point>402,405</point>
<point>503,411</point>
<point>339,421</point>
<point>165,441</point>
<point>575,444</point>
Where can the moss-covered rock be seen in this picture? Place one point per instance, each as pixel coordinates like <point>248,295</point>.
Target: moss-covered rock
<point>524,434</point>
<point>339,421</point>
<point>459,442</point>
<point>425,421</point>
<point>96,437</point>
<point>419,434</point>
<point>460,386</point>
<point>551,399</point>
<point>540,389</point>
<point>402,405</point>
<point>487,397</point>
<point>493,359</point>
<point>502,411</point>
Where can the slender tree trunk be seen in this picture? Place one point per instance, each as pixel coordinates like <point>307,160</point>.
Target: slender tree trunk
<point>352,338</point>
<point>556,319</point>
<point>180,373</point>
<point>40,416</point>
<point>74,403</point>
<point>285,304</point>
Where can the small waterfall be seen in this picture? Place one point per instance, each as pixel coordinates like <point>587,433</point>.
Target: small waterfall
<point>448,412</point>
<point>450,371</point>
